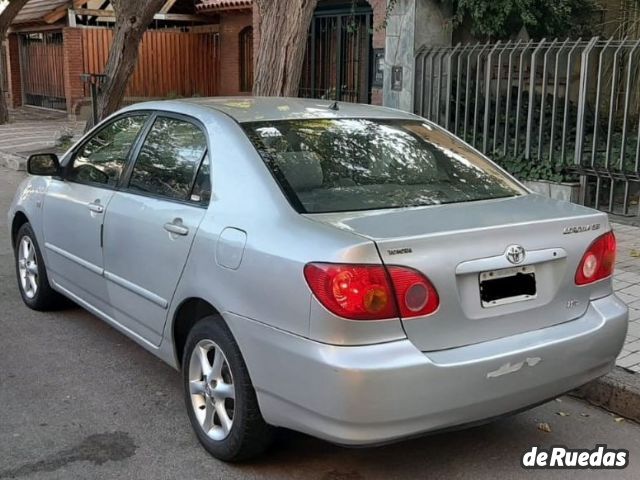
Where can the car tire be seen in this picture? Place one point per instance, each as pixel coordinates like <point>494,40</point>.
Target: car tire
<point>31,273</point>
<point>220,398</point>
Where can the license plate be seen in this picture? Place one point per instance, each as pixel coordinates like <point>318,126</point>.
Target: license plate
<point>508,285</point>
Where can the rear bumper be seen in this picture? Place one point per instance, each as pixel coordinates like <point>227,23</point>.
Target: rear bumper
<point>378,393</point>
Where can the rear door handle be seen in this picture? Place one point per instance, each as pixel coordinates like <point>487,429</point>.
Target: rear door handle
<point>177,228</point>
<point>95,207</point>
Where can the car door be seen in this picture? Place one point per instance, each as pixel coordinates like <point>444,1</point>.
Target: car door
<point>74,207</point>
<point>151,223</point>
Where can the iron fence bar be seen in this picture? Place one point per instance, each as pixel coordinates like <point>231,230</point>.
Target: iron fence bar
<point>467,92</point>
<point>430,83</point>
<point>439,85</point>
<point>596,116</point>
<point>565,124</point>
<point>610,129</point>
<point>532,95</point>
<point>584,64</point>
<point>505,145</point>
<point>612,99</point>
<point>544,97</point>
<point>449,82</point>
<point>496,125</point>
<point>627,98</point>
<point>476,105</point>
<point>458,90</point>
<point>487,97</point>
<point>424,81</point>
<point>519,102</point>
<point>554,107</point>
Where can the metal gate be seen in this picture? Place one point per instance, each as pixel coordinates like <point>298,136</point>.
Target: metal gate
<point>337,63</point>
<point>572,105</point>
<point>42,69</point>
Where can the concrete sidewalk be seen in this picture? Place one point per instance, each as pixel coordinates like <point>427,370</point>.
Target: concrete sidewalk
<point>626,283</point>
<point>33,129</point>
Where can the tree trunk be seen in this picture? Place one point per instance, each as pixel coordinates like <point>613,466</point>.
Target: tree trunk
<point>6,19</point>
<point>132,19</point>
<point>283,29</point>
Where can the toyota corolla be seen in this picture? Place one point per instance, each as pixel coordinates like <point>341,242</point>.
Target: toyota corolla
<point>352,272</point>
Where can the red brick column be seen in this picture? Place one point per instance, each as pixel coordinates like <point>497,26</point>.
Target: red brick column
<point>230,27</point>
<point>13,71</point>
<point>379,38</point>
<point>73,66</point>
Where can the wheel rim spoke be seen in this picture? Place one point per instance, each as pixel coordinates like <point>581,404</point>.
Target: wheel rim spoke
<point>32,284</point>
<point>223,416</point>
<point>224,391</point>
<point>204,361</point>
<point>196,387</point>
<point>216,368</point>
<point>208,423</point>
<point>25,248</point>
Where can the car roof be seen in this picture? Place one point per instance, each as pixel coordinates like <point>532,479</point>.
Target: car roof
<point>255,109</point>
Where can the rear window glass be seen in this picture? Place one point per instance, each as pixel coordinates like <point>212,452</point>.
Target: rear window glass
<point>334,165</point>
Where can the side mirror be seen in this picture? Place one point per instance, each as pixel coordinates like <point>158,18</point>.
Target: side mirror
<point>43,164</point>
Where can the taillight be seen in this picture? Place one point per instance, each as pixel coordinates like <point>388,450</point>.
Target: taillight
<point>371,292</point>
<point>415,294</point>
<point>599,260</point>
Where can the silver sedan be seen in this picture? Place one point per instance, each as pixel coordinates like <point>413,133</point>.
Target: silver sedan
<point>352,272</point>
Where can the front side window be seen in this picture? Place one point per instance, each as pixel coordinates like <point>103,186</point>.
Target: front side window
<point>169,159</point>
<point>103,157</point>
<point>333,165</point>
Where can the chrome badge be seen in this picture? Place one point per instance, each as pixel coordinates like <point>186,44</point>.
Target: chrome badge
<point>515,254</point>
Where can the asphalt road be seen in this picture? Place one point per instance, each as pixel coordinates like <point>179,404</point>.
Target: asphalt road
<point>79,400</point>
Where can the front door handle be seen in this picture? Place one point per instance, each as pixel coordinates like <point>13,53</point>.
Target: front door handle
<point>95,207</point>
<point>176,227</point>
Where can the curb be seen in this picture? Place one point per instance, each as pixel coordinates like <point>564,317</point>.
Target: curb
<point>618,392</point>
<point>14,162</point>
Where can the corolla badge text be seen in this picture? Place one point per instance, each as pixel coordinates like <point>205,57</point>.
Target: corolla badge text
<point>581,228</point>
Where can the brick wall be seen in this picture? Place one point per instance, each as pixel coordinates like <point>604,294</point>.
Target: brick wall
<point>231,24</point>
<point>379,38</point>
<point>73,67</point>
<point>13,71</point>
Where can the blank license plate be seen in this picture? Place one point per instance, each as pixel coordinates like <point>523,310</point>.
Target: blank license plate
<point>508,285</point>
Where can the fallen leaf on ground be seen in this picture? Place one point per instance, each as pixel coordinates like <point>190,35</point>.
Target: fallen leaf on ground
<point>618,419</point>
<point>584,414</point>
<point>562,414</point>
<point>635,253</point>
<point>544,427</point>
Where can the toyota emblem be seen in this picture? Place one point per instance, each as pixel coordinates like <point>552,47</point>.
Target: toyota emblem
<point>515,254</point>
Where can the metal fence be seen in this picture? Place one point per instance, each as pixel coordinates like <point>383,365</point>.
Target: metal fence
<point>570,104</point>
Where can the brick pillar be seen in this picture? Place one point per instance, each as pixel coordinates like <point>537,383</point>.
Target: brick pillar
<point>230,27</point>
<point>73,56</point>
<point>379,11</point>
<point>13,71</point>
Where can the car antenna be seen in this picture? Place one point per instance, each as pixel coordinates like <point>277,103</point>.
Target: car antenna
<point>334,106</point>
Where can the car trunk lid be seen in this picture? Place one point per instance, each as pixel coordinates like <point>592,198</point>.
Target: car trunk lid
<point>458,245</point>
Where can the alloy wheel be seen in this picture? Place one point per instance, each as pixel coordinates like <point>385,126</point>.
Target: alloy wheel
<point>212,389</point>
<point>28,267</point>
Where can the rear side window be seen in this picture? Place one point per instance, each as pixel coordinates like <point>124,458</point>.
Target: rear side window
<point>169,159</point>
<point>333,165</point>
<point>102,158</point>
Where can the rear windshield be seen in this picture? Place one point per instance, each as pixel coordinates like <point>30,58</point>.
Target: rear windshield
<point>335,165</point>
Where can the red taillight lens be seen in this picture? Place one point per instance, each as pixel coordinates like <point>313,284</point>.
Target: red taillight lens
<point>599,260</point>
<point>415,294</point>
<point>364,292</point>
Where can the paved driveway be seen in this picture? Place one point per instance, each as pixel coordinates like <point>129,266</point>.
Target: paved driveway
<point>78,400</point>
